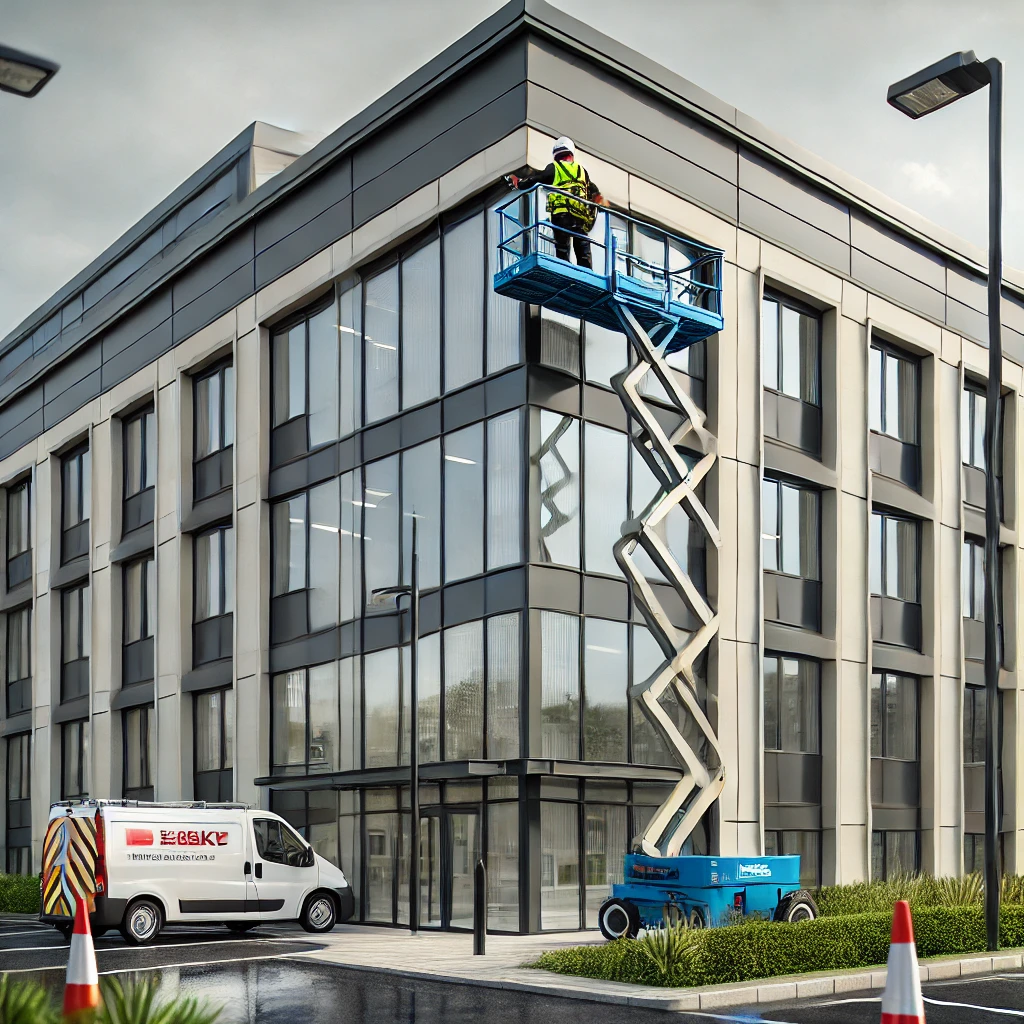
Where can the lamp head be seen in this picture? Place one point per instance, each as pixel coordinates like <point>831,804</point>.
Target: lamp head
<point>937,86</point>
<point>23,74</point>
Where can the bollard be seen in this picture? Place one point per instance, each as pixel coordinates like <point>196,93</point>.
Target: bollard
<point>479,909</point>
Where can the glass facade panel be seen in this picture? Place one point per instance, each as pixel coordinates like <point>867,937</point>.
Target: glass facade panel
<point>805,844</point>
<point>428,694</point>
<point>139,595</point>
<point>214,573</point>
<point>214,399</point>
<point>290,719</point>
<point>504,490</point>
<point>560,866</point>
<point>894,718</point>
<point>351,543</point>
<point>138,725</point>
<point>350,357</point>
<point>421,500</point>
<point>605,837</point>
<point>558,455</point>
<point>464,503</point>
<point>605,354</point>
<point>791,522</point>
<point>382,833</point>
<point>77,488</point>
<point>19,645</point>
<point>894,557</point>
<point>139,453</point>
<point>18,520</point>
<point>464,691</point>
<point>421,325</point>
<point>792,700</point>
<point>290,374</point>
<point>894,394</point>
<point>324,536</point>
<point>791,352</point>
<point>290,545</point>
<point>973,579</point>
<point>77,624</point>
<point>504,315</point>
<point>381,701</point>
<point>323,718</point>
<point>605,690</point>
<point>894,854</point>
<point>503,867</point>
<point>380,525</point>
<point>560,341</point>
<point>75,760</point>
<point>214,730</point>
<point>560,686</point>
<point>350,745</point>
<point>464,267</point>
<point>504,657</point>
<point>606,482</point>
<point>381,337</point>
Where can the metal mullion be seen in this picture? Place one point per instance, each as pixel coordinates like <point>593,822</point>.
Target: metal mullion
<point>400,361</point>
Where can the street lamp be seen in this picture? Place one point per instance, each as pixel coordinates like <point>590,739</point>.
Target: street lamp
<point>23,74</point>
<point>380,598</point>
<point>943,83</point>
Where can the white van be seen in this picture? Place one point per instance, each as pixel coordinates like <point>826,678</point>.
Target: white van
<point>144,865</point>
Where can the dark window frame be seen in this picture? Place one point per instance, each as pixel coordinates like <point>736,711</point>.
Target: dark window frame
<point>885,678</point>
<point>779,483</point>
<point>884,834</point>
<point>142,417</point>
<point>891,351</point>
<point>82,725</point>
<point>222,724</point>
<point>222,572</point>
<point>216,370</point>
<point>887,516</point>
<point>78,454</point>
<point>14,491</point>
<point>779,658</point>
<point>147,615</point>
<point>23,741</point>
<point>9,683</point>
<point>786,302</point>
<point>145,791</point>
<point>79,589</point>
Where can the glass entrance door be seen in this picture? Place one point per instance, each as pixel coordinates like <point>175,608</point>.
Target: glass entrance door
<point>449,850</point>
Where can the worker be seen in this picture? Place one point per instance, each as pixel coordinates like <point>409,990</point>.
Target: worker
<point>566,212</point>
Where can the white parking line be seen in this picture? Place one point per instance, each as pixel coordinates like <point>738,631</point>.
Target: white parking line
<point>23,931</point>
<point>158,967</point>
<point>972,1006</point>
<point>163,945</point>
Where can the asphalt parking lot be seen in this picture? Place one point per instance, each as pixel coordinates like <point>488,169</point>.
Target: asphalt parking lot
<point>260,978</point>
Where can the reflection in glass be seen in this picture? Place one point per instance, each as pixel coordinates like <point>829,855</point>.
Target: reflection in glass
<point>429,698</point>
<point>804,844</point>
<point>464,502</point>
<point>421,499</point>
<point>19,644</point>
<point>606,461</point>
<point>139,453</point>
<point>290,719</point>
<point>139,598</point>
<point>351,716</point>
<point>289,374</point>
<point>464,302</point>
<point>421,325</point>
<point>605,354</point>
<point>290,545</point>
<point>560,686</point>
<point>605,839</point>
<point>17,520</point>
<point>464,691</point>
<point>381,348</point>
<point>214,573</point>
<point>323,717</point>
<point>380,674</point>
<point>324,530</point>
<point>380,524</point>
<point>792,689</point>
<point>351,536</point>
<point>503,867</point>
<point>558,456</point>
<point>323,377</point>
<point>894,719</point>
<point>560,341</point>
<point>350,358</point>
<point>503,313</point>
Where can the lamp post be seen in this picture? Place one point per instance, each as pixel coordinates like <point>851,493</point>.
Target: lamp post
<point>381,597</point>
<point>935,87</point>
<point>23,74</point>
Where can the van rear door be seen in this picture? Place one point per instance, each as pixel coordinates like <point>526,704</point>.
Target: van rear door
<point>283,867</point>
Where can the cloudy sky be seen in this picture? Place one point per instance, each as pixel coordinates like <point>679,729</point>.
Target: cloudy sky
<point>150,89</point>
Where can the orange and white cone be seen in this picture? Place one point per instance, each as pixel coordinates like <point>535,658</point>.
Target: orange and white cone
<point>902,1002</point>
<point>82,988</point>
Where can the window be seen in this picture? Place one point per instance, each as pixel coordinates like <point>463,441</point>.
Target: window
<point>381,326</point>
<point>804,843</point>
<point>605,693</point>
<point>19,661</point>
<point>791,353</point>
<point>464,691</point>
<point>791,528</point>
<point>464,291</point>
<point>606,488</point>
<point>306,377</point>
<point>975,715</point>
<point>894,719</point>
<point>278,844</point>
<point>792,699</point>
<point>972,426</point>
<point>421,502</point>
<point>214,744</point>
<point>215,573</point>
<point>421,325</point>
<point>214,601</point>
<point>973,580</point>
<point>139,453</point>
<point>560,686</point>
<point>464,502</point>
<point>894,854</point>
<point>139,738</point>
<point>214,430</point>
<point>76,642</point>
<point>139,619</point>
<point>76,489</point>
<point>19,805</point>
<point>893,378</point>
<point>895,556</point>
<point>19,551</point>
<point>75,760</point>
<point>558,456</point>
<point>974,853</point>
<point>305,720</point>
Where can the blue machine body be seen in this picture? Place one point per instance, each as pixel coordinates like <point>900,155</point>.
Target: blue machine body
<point>715,887</point>
<point>663,278</point>
<point>673,287</point>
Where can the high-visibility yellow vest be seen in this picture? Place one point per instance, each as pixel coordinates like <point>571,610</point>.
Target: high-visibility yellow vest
<point>572,178</point>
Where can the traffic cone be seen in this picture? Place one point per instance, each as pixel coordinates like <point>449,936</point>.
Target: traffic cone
<point>82,988</point>
<point>902,1002</point>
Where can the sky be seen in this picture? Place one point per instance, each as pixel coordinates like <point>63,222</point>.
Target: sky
<point>149,90</point>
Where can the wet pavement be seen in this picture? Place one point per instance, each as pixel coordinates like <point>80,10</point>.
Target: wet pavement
<point>261,978</point>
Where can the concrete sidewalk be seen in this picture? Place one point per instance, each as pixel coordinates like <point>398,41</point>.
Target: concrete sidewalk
<point>448,957</point>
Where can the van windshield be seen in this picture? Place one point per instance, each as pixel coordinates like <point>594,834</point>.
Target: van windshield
<point>278,844</point>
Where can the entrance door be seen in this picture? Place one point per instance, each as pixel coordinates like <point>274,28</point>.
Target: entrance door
<point>449,850</point>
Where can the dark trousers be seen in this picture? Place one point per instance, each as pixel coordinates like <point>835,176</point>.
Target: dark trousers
<point>567,222</point>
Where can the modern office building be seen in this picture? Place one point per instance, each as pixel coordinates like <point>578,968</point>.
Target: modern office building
<point>215,439</point>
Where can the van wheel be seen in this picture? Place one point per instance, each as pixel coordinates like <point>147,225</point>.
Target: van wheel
<point>319,913</point>
<point>142,922</point>
<point>238,927</point>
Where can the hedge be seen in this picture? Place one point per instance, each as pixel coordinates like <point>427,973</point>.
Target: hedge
<point>765,949</point>
<point>19,894</point>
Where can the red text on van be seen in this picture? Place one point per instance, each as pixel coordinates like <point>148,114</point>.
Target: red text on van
<point>169,837</point>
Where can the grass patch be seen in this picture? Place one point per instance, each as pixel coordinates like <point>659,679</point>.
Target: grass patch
<point>19,894</point>
<point>763,949</point>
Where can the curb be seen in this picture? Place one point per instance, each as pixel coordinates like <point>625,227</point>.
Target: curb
<point>717,997</point>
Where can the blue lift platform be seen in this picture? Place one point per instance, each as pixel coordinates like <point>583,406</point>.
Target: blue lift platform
<point>664,292</point>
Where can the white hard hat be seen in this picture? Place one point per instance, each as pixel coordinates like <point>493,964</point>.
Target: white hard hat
<point>563,145</point>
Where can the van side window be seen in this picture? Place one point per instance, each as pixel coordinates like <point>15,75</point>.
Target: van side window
<point>278,844</point>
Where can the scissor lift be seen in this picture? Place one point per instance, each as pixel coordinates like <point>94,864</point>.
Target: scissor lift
<point>664,293</point>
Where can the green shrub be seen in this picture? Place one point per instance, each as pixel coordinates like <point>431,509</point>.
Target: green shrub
<point>669,948</point>
<point>24,1002</point>
<point>763,949</point>
<point>137,1004</point>
<point>19,894</point>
